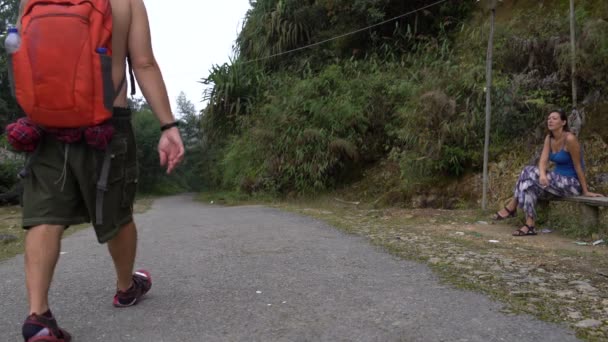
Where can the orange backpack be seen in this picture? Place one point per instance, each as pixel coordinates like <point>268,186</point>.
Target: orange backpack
<point>63,68</point>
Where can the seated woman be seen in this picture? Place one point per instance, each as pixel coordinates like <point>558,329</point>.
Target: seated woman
<point>567,179</point>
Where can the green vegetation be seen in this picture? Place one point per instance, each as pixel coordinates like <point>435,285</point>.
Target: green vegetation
<point>9,168</point>
<point>8,107</point>
<point>409,92</point>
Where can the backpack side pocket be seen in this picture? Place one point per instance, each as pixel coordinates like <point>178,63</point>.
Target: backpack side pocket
<point>108,85</point>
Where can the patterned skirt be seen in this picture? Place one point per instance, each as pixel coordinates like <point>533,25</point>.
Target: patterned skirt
<point>528,189</point>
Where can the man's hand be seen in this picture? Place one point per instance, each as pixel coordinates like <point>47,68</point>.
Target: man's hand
<point>170,149</point>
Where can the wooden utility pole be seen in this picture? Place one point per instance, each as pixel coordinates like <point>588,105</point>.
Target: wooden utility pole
<point>573,53</point>
<point>486,149</point>
<point>576,118</point>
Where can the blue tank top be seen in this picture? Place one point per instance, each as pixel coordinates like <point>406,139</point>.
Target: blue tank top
<point>563,163</point>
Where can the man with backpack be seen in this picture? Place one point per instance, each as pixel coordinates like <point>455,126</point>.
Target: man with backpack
<point>69,77</point>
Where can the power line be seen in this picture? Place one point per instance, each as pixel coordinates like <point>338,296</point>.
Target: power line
<point>347,34</point>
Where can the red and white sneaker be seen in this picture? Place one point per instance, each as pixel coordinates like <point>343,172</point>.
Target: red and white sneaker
<point>142,282</point>
<point>50,331</point>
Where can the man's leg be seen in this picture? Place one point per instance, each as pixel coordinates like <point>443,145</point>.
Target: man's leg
<point>123,249</point>
<point>131,286</point>
<point>48,207</point>
<point>42,247</point>
<point>118,208</point>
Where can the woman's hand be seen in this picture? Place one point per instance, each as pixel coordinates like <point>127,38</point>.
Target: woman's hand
<point>544,181</point>
<point>592,194</point>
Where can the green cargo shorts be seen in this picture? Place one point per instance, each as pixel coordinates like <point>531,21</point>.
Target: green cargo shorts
<point>60,187</point>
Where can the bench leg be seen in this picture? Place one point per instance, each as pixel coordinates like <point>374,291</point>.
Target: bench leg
<point>589,217</point>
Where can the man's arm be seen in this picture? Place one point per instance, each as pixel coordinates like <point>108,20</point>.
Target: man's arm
<point>21,9</point>
<point>146,68</point>
<point>150,79</point>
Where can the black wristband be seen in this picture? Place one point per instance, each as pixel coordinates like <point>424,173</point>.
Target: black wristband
<point>169,125</point>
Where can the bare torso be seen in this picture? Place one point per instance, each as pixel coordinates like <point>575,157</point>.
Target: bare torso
<point>121,12</point>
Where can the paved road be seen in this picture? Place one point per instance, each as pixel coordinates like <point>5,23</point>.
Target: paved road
<point>259,274</point>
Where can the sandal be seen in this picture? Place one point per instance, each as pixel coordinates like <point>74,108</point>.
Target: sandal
<point>521,232</point>
<point>511,213</point>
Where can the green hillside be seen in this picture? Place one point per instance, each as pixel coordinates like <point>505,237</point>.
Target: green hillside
<point>396,111</point>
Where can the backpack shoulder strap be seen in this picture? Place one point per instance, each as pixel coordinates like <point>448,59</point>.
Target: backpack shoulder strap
<point>124,80</point>
<point>131,76</point>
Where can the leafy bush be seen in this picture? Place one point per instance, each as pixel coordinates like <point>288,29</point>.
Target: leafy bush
<point>8,174</point>
<point>310,130</point>
<point>10,166</point>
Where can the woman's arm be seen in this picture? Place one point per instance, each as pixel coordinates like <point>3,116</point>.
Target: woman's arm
<point>575,152</point>
<point>543,161</point>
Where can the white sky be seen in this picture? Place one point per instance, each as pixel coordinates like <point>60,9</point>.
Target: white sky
<point>189,37</point>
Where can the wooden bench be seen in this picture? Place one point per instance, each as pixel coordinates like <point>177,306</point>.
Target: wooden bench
<point>589,208</point>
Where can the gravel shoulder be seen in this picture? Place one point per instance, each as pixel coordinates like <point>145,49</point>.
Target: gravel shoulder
<point>547,276</point>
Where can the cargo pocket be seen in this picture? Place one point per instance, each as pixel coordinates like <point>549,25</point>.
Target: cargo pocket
<point>108,84</point>
<point>118,156</point>
<point>130,188</point>
<point>11,76</point>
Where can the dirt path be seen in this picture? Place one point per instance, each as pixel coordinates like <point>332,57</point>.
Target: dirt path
<point>254,273</point>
